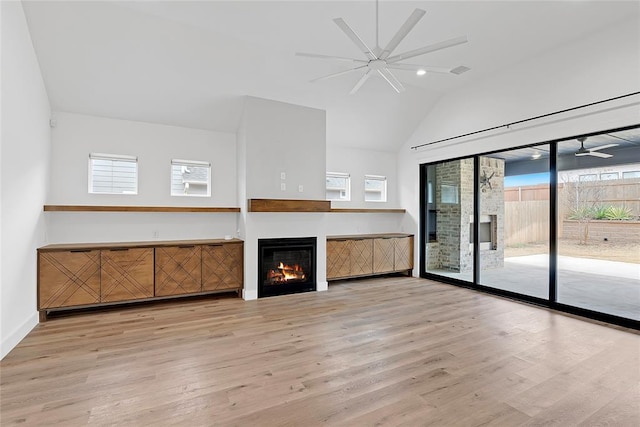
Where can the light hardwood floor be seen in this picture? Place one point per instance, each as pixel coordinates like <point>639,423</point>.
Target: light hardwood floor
<point>390,351</point>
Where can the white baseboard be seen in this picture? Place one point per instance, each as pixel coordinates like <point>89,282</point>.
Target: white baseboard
<point>249,295</point>
<point>14,338</point>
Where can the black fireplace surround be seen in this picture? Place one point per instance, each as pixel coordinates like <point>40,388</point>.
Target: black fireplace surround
<point>286,266</point>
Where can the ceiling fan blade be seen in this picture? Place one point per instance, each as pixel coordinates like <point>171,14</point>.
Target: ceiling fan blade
<point>391,79</point>
<point>363,79</point>
<point>354,38</point>
<point>411,21</point>
<point>339,73</point>
<point>427,49</point>
<point>415,67</point>
<point>336,58</point>
<point>602,147</point>
<point>598,154</point>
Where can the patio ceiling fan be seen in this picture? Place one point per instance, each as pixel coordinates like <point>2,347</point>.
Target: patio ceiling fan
<point>379,61</point>
<point>595,151</point>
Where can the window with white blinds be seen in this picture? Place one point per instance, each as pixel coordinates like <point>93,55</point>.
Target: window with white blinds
<point>113,174</point>
<point>190,178</point>
<point>375,188</point>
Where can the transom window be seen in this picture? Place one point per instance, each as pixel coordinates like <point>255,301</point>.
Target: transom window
<point>338,186</point>
<point>190,178</point>
<point>113,174</point>
<point>375,188</point>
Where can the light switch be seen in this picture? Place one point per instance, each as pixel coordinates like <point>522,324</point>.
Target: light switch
<point>283,175</point>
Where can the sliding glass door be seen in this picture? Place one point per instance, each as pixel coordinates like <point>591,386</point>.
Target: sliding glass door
<point>598,227</point>
<point>447,209</point>
<point>514,221</point>
<point>557,223</point>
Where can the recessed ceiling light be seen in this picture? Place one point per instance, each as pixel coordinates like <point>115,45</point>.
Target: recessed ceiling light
<point>421,72</point>
<point>536,155</point>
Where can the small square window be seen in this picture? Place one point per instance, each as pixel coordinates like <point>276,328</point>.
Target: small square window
<point>113,174</point>
<point>588,177</point>
<point>338,186</point>
<point>375,188</point>
<point>190,178</point>
<point>631,174</point>
<point>605,176</point>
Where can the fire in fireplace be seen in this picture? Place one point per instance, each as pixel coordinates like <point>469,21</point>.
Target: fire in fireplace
<point>286,266</point>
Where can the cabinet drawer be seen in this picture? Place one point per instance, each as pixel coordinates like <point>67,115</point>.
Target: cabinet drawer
<point>126,274</point>
<point>178,270</point>
<point>68,278</point>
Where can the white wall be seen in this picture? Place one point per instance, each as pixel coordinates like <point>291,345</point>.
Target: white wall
<point>604,65</point>
<point>358,163</point>
<point>75,136</point>
<point>24,175</point>
<point>287,138</point>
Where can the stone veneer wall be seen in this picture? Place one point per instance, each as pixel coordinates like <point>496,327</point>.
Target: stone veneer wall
<point>492,203</point>
<point>452,251</point>
<point>447,253</point>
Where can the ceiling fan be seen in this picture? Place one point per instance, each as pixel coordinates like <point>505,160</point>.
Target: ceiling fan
<point>595,151</point>
<point>380,61</point>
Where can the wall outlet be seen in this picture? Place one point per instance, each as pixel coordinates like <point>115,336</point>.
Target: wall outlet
<point>283,175</point>
<point>283,186</point>
<point>300,188</point>
<point>156,234</point>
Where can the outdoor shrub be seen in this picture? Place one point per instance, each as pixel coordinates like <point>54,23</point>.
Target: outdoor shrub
<point>618,213</point>
<point>600,212</point>
<point>581,213</point>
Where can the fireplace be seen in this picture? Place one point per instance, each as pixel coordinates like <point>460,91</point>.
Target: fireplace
<point>286,266</point>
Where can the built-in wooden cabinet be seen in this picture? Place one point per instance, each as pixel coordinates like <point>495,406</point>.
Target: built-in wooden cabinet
<point>81,275</point>
<point>366,255</point>
<point>126,274</point>
<point>178,270</point>
<point>72,278</point>
<point>222,267</point>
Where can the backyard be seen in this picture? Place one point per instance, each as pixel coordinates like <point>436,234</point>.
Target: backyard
<point>604,250</point>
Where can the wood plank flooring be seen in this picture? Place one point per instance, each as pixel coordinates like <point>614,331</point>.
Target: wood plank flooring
<point>385,351</point>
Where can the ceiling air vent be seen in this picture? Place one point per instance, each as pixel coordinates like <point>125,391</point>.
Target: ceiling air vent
<point>461,69</point>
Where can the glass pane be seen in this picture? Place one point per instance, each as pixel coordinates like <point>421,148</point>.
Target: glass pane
<point>514,221</point>
<point>598,224</point>
<point>189,180</point>
<point>337,187</point>
<point>448,209</point>
<point>114,176</point>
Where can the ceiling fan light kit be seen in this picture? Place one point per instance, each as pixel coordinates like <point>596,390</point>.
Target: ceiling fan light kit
<point>378,60</point>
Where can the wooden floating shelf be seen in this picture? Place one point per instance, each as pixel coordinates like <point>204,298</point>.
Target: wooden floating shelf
<point>90,208</point>
<point>284,205</point>
<point>348,210</point>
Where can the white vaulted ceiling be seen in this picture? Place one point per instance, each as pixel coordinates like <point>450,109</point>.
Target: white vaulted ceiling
<point>190,63</point>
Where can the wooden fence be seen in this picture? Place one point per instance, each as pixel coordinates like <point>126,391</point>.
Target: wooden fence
<point>526,215</point>
<point>526,222</point>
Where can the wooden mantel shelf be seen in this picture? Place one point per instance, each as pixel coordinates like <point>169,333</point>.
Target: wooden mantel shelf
<point>92,208</point>
<point>348,210</point>
<point>287,205</point>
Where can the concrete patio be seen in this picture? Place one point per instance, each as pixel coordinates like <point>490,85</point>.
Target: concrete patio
<point>606,286</point>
